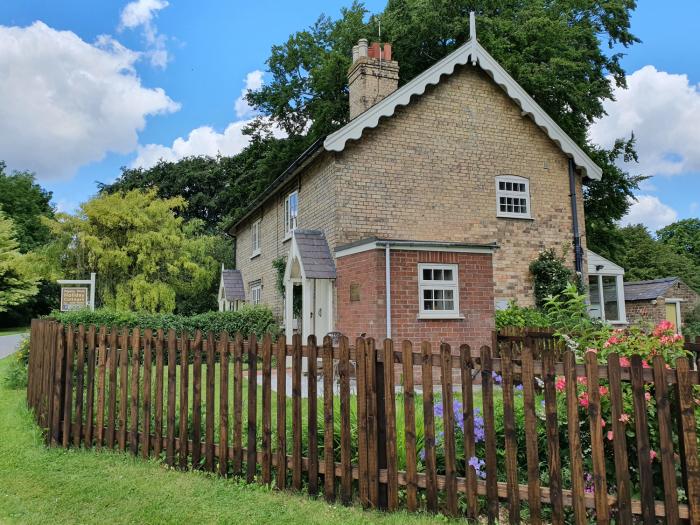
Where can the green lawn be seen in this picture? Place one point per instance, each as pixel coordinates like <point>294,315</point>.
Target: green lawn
<point>15,330</point>
<point>38,485</point>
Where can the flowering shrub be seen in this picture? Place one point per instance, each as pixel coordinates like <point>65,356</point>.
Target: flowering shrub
<point>661,340</point>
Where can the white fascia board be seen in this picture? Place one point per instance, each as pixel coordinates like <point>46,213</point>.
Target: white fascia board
<point>474,52</point>
<point>418,247</point>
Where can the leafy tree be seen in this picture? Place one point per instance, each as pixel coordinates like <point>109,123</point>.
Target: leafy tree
<point>643,257</point>
<point>25,202</point>
<point>145,257</point>
<point>683,237</point>
<point>17,283</point>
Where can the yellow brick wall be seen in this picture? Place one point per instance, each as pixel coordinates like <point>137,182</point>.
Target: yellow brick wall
<point>316,204</point>
<point>428,173</point>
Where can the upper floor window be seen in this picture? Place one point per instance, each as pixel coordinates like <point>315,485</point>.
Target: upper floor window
<point>291,205</point>
<point>255,238</point>
<point>512,197</point>
<point>439,291</point>
<point>255,292</point>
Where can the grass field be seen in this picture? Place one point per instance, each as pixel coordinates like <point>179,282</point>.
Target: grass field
<point>15,330</point>
<point>39,485</point>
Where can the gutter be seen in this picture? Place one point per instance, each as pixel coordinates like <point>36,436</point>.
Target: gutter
<point>578,250</point>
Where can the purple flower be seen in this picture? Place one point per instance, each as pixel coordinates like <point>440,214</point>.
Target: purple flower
<point>519,388</point>
<point>542,403</point>
<point>496,378</point>
<point>438,410</point>
<point>478,466</point>
<point>421,454</point>
<point>478,429</point>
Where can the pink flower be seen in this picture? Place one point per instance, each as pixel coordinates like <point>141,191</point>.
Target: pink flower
<point>610,435</point>
<point>678,337</point>
<point>603,390</point>
<point>647,396</point>
<point>625,361</point>
<point>560,384</point>
<point>645,364</point>
<point>667,340</point>
<point>602,423</point>
<point>583,399</point>
<point>624,418</point>
<point>663,326</point>
<point>582,380</point>
<point>612,341</point>
<point>594,350</point>
<point>652,455</point>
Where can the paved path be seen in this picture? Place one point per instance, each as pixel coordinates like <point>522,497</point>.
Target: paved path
<point>8,344</point>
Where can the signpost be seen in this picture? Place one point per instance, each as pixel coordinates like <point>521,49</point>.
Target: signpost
<point>75,297</point>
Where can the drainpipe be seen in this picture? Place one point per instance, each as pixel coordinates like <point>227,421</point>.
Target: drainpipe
<point>578,251</point>
<point>387,256</point>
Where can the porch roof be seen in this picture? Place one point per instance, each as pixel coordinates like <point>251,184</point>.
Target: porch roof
<point>314,254</point>
<point>232,281</point>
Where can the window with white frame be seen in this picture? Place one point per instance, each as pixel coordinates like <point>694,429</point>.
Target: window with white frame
<point>255,238</point>
<point>606,297</point>
<point>255,292</point>
<point>512,197</point>
<point>438,291</point>
<point>291,204</point>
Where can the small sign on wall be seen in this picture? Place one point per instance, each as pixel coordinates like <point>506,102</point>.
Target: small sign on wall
<point>74,298</point>
<point>354,292</point>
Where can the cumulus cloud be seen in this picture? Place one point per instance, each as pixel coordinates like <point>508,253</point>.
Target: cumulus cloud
<point>141,14</point>
<point>253,82</point>
<point>205,140</point>
<point>663,111</point>
<point>65,103</point>
<point>651,212</point>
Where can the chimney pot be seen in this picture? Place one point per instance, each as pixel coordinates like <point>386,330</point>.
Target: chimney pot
<point>372,76</point>
<point>387,52</point>
<point>362,47</point>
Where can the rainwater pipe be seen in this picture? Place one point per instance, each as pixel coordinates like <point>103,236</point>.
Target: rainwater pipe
<point>387,265</point>
<point>578,251</point>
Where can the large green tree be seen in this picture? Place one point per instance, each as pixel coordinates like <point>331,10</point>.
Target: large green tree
<point>644,257</point>
<point>25,202</point>
<point>146,258</point>
<point>17,283</point>
<point>683,237</point>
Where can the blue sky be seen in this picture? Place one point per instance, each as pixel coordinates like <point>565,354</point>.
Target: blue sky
<point>99,85</point>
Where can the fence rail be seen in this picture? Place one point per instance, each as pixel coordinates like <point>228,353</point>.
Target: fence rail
<point>357,426</point>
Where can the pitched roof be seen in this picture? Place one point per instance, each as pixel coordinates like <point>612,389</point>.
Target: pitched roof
<point>473,52</point>
<point>232,281</point>
<point>647,290</point>
<point>314,254</point>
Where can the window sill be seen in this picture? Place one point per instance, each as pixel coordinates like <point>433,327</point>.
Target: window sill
<point>440,317</point>
<point>286,238</point>
<point>516,217</point>
<point>255,254</point>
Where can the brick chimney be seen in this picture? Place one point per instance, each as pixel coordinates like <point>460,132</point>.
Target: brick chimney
<point>372,76</point>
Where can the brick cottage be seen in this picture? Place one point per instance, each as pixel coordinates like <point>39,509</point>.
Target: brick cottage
<point>436,195</point>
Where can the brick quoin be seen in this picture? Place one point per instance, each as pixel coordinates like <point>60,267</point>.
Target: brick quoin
<point>366,272</point>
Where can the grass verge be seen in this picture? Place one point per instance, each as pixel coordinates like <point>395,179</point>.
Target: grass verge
<point>38,484</point>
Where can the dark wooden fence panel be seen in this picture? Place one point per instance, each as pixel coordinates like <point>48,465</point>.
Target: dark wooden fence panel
<point>398,407</point>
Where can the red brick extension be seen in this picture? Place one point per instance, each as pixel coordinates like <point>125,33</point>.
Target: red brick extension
<point>365,273</point>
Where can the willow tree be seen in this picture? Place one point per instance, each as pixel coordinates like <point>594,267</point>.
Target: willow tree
<point>145,256</point>
<point>17,283</point>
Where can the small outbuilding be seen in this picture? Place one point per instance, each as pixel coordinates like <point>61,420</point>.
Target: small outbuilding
<point>657,300</point>
<point>231,290</point>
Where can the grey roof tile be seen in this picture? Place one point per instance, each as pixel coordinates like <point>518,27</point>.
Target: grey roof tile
<point>233,285</point>
<point>316,258</point>
<point>647,290</point>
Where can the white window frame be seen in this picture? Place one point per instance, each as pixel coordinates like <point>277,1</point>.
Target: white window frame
<point>619,285</point>
<point>513,194</point>
<point>255,292</point>
<point>424,285</point>
<point>255,238</point>
<point>290,216</point>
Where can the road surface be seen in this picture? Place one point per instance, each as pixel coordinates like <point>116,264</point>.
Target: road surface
<point>8,344</point>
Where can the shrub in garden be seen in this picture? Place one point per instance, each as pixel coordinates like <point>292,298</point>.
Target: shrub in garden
<point>249,319</point>
<point>550,275</point>
<point>16,374</point>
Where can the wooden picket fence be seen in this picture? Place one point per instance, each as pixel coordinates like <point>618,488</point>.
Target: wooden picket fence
<point>106,388</point>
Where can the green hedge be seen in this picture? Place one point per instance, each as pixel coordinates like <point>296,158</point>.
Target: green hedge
<point>257,319</point>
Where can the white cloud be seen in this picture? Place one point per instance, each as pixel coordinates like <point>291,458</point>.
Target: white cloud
<point>204,140</point>
<point>65,103</point>
<point>141,13</point>
<point>651,212</point>
<point>663,111</point>
<point>253,82</point>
